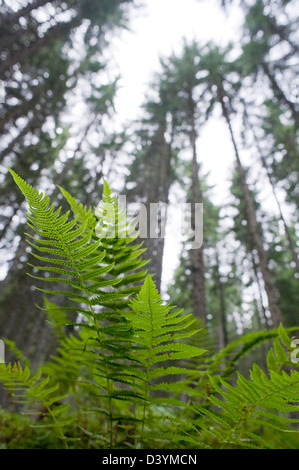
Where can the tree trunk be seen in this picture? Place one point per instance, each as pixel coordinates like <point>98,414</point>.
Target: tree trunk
<point>257,279</point>
<point>160,181</point>
<point>222,326</point>
<point>197,258</point>
<point>153,175</point>
<point>253,225</point>
<point>293,250</point>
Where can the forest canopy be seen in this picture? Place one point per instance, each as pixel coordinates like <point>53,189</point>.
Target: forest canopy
<point>100,349</point>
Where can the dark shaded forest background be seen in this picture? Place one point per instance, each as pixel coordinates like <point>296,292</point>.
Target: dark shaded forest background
<point>245,277</point>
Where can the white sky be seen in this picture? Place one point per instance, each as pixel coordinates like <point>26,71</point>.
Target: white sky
<point>158,29</point>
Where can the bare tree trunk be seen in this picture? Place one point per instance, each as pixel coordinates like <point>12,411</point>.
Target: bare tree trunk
<point>197,258</point>
<point>153,184</point>
<point>159,193</point>
<point>253,225</point>
<point>222,325</point>
<point>256,274</point>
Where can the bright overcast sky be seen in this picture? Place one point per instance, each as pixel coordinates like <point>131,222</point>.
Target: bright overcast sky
<point>156,30</point>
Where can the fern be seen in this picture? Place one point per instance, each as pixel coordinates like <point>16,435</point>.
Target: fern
<point>92,269</point>
<point>80,258</point>
<point>159,329</point>
<point>34,393</point>
<point>238,415</point>
<point>227,359</point>
<point>95,256</point>
<point>128,369</point>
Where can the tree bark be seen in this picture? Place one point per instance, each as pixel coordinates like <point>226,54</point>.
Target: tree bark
<point>222,325</point>
<point>153,174</point>
<point>293,251</point>
<point>158,192</point>
<point>257,279</point>
<point>253,225</point>
<point>197,258</point>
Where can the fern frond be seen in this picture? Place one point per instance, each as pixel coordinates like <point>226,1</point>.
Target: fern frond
<point>87,270</point>
<point>242,410</point>
<point>155,324</point>
<point>227,359</point>
<point>34,391</point>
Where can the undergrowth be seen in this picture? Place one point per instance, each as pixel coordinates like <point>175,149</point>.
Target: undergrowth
<point>132,371</point>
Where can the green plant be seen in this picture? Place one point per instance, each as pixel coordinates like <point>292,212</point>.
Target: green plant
<point>246,413</point>
<point>94,256</point>
<point>128,371</point>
